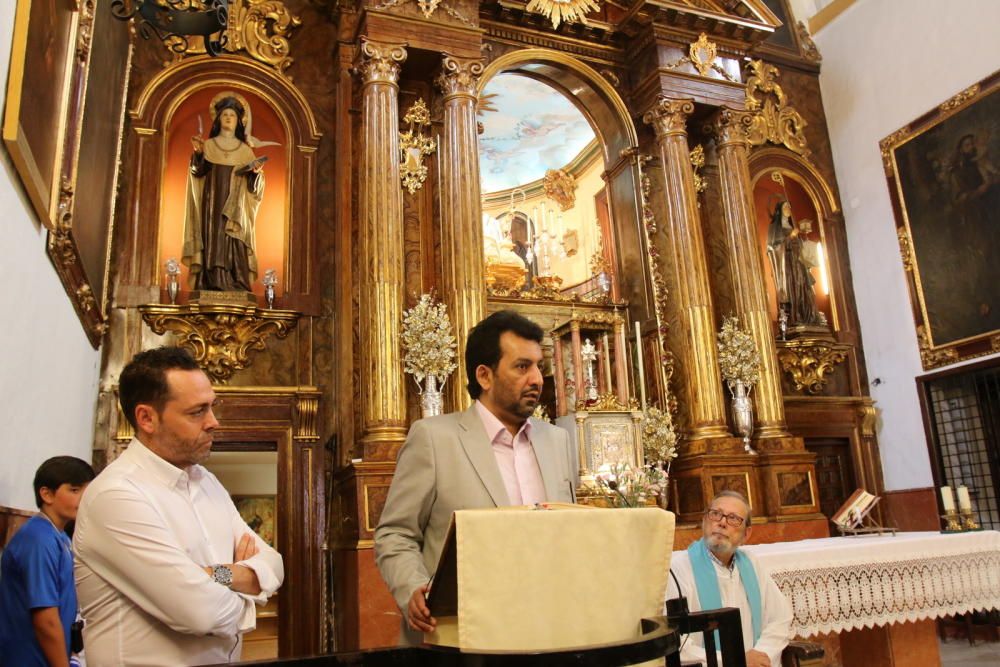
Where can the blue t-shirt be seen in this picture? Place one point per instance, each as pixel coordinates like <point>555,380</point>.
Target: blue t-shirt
<point>36,571</point>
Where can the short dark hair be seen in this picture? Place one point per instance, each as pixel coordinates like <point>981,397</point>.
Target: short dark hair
<point>60,470</point>
<point>144,379</point>
<point>482,348</point>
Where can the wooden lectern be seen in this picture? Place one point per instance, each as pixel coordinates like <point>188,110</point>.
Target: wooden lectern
<point>506,575</point>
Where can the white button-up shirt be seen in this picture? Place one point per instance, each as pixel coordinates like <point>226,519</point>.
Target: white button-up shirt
<point>516,459</point>
<point>145,531</point>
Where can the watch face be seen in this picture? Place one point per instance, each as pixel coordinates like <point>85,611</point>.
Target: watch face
<point>222,575</point>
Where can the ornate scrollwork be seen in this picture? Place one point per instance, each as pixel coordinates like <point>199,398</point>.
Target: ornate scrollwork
<point>960,99</point>
<point>905,248</point>
<point>559,11</point>
<point>85,30</point>
<point>607,403</point>
<point>220,337</point>
<point>702,55</point>
<point>669,116</point>
<point>931,357</point>
<point>460,76</point>
<point>85,297</point>
<point>560,187</point>
<point>414,146</point>
<point>262,28</point>
<point>697,156</point>
<point>810,360</point>
<point>888,144</point>
<point>809,49</point>
<point>773,121</point>
<point>379,62</point>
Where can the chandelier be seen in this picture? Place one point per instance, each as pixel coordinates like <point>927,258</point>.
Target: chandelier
<point>175,21</point>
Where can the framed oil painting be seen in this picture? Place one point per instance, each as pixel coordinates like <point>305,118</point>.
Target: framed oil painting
<point>943,171</point>
<point>38,92</point>
<point>258,512</point>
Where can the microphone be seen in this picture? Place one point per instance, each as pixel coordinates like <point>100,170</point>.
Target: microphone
<point>678,606</point>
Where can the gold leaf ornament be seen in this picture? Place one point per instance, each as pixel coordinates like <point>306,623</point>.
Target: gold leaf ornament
<point>559,11</point>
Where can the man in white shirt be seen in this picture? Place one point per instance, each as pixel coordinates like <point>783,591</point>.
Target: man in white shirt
<point>167,572</point>
<point>714,573</point>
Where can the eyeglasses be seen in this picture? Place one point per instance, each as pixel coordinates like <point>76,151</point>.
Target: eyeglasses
<point>734,520</point>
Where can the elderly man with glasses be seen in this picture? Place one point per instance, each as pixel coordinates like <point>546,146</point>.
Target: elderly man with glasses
<point>714,573</point>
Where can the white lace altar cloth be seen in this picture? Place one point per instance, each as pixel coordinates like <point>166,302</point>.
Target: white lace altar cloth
<point>846,583</point>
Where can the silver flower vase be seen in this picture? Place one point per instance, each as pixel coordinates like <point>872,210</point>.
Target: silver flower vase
<point>430,398</point>
<point>743,413</point>
<point>172,288</point>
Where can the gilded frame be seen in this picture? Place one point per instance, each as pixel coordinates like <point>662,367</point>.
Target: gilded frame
<point>80,244</point>
<point>946,224</point>
<point>43,50</point>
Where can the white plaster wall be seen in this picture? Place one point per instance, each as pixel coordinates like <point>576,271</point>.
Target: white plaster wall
<point>886,62</point>
<point>48,371</point>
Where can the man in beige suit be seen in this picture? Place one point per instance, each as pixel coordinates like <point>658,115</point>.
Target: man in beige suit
<point>490,455</point>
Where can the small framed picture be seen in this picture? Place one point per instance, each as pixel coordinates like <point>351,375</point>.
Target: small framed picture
<point>258,513</point>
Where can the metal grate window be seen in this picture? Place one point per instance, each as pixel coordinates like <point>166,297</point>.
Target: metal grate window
<point>965,430</point>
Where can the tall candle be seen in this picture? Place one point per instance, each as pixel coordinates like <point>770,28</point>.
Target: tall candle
<point>607,365</point>
<point>964,502</point>
<point>642,372</point>
<point>947,499</point>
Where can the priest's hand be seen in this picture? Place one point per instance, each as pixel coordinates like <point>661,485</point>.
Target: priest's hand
<point>418,616</point>
<point>757,659</point>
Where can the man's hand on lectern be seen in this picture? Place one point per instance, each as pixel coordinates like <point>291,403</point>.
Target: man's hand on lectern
<point>418,616</point>
<point>757,659</point>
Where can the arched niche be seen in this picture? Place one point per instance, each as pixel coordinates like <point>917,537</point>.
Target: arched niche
<point>811,199</point>
<point>164,118</point>
<point>607,114</point>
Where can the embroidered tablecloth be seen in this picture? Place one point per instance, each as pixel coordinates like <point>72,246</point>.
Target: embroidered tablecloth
<point>845,583</point>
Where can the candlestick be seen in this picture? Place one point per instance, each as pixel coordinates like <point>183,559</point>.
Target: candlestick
<point>642,372</point>
<point>964,502</point>
<point>947,499</point>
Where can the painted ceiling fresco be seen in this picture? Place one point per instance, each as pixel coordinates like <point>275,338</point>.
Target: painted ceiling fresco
<point>534,128</point>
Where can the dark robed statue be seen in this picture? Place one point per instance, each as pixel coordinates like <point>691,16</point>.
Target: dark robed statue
<point>791,256</point>
<point>224,190</point>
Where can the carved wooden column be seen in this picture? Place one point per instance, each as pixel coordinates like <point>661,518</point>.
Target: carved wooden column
<point>621,363</point>
<point>462,279</point>
<point>692,293</point>
<point>380,252</point>
<point>746,273</point>
<point>559,374</point>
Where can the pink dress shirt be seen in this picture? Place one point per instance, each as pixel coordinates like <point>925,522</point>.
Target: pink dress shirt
<point>515,458</point>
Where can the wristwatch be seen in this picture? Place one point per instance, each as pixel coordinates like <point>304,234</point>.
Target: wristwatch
<point>221,574</point>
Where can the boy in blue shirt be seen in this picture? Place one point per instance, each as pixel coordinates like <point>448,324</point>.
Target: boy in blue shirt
<point>37,591</point>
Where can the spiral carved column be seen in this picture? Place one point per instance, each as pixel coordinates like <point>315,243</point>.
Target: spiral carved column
<point>692,293</point>
<point>745,268</point>
<point>380,251</point>
<point>462,278</point>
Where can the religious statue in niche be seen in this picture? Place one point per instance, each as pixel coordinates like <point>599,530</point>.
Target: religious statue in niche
<point>224,190</point>
<point>792,255</point>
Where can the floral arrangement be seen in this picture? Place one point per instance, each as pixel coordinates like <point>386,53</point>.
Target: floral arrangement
<point>627,486</point>
<point>738,356</point>
<point>427,340</point>
<point>659,440</point>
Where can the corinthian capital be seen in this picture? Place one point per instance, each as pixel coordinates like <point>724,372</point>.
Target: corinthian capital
<point>669,116</point>
<point>459,76</point>
<point>730,126</point>
<point>379,62</point>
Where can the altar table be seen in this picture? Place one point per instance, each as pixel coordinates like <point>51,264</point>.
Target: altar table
<point>889,585</point>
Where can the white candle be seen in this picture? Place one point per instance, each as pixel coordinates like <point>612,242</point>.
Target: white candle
<point>947,499</point>
<point>964,502</point>
<point>607,365</point>
<point>642,372</point>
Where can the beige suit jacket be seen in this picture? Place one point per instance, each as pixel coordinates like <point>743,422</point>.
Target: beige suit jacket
<point>447,464</point>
